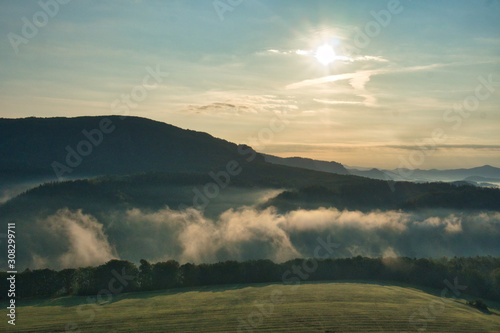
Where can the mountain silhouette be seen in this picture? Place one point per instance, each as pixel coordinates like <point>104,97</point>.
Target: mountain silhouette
<point>112,145</point>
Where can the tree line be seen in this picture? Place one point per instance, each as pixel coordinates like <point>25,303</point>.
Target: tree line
<point>481,275</point>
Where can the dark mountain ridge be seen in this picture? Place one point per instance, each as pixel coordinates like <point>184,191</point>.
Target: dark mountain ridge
<point>105,145</point>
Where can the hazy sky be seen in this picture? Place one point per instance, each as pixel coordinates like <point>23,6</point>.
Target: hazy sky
<point>319,79</point>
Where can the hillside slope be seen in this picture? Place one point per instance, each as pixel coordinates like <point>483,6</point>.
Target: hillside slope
<point>89,146</point>
<point>322,307</point>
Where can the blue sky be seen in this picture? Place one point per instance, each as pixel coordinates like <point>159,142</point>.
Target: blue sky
<point>379,101</point>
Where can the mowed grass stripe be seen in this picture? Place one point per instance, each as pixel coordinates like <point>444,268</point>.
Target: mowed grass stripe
<point>316,307</point>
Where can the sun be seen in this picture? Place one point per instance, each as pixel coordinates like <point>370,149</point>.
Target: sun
<point>325,54</point>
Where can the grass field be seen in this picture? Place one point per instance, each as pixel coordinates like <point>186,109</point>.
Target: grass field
<point>314,307</point>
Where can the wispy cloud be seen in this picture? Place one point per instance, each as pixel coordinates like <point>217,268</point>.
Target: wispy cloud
<point>292,146</point>
<point>358,81</point>
<point>336,102</point>
<point>285,52</point>
<point>327,79</point>
<point>449,147</point>
<point>247,105</point>
<point>343,58</point>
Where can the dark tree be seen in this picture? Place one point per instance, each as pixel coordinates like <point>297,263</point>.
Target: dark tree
<point>145,275</point>
<point>166,275</point>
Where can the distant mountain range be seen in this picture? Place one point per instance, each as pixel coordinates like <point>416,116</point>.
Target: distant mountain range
<point>480,176</point>
<point>485,176</point>
<point>307,163</point>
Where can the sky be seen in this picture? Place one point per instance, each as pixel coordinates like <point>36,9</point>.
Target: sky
<point>381,84</point>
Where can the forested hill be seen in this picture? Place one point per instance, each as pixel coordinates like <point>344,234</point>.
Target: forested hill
<point>112,145</point>
<point>302,189</point>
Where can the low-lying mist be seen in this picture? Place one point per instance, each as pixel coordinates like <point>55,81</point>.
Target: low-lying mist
<point>71,238</point>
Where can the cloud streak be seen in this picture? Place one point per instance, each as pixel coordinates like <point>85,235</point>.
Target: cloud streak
<point>359,79</point>
<point>246,105</point>
<point>311,53</point>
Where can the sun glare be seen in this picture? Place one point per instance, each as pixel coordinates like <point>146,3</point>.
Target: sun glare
<point>325,54</point>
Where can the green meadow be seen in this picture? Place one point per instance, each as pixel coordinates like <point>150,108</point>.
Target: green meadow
<point>313,307</point>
